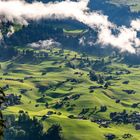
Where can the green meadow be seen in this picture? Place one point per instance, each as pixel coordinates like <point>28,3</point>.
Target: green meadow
<point>134,4</point>
<point>54,72</point>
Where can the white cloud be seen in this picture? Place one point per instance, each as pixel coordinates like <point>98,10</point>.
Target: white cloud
<point>21,12</point>
<point>44,44</point>
<point>11,31</point>
<point>82,41</point>
<point>125,40</point>
<point>135,24</point>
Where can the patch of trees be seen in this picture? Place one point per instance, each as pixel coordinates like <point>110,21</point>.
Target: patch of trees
<point>12,100</point>
<point>2,123</point>
<point>5,73</point>
<point>77,117</point>
<point>51,86</point>
<point>41,99</point>
<point>53,133</point>
<point>6,87</point>
<point>93,76</point>
<point>125,82</point>
<point>137,127</point>
<point>84,63</point>
<point>79,73</point>
<point>23,91</point>
<point>129,91</point>
<point>127,136</point>
<point>95,87</point>
<point>32,55</point>
<point>71,97</point>
<point>73,80</point>
<point>43,73</point>
<point>91,112</point>
<point>123,72</point>
<point>110,77</point>
<point>135,105</point>
<point>28,77</point>
<point>22,55</point>
<point>7,53</point>
<point>70,65</point>
<point>11,79</point>
<point>110,136</point>
<point>117,101</point>
<point>100,79</point>
<point>124,117</point>
<point>42,88</point>
<point>49,113</point>
<point>27,128</point>
<point>71,106</point>
<point>72,117</point>
<point>76,62</point>
<point>132,59</point>
<point>102,122</point>
<point>58,105</point>
<point>99,65</point>
<point>65,102</point>
<point>105,86</point>
<point>103,109</point>
<point>34,32</point>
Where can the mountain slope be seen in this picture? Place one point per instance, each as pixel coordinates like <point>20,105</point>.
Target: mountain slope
<point>62,79</point>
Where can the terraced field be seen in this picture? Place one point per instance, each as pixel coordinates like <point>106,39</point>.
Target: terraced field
<point>62,80</point>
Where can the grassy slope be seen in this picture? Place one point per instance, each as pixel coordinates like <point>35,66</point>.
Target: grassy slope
<point>72,129</point>
<point>134,4</point>
<point>74,32</point>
